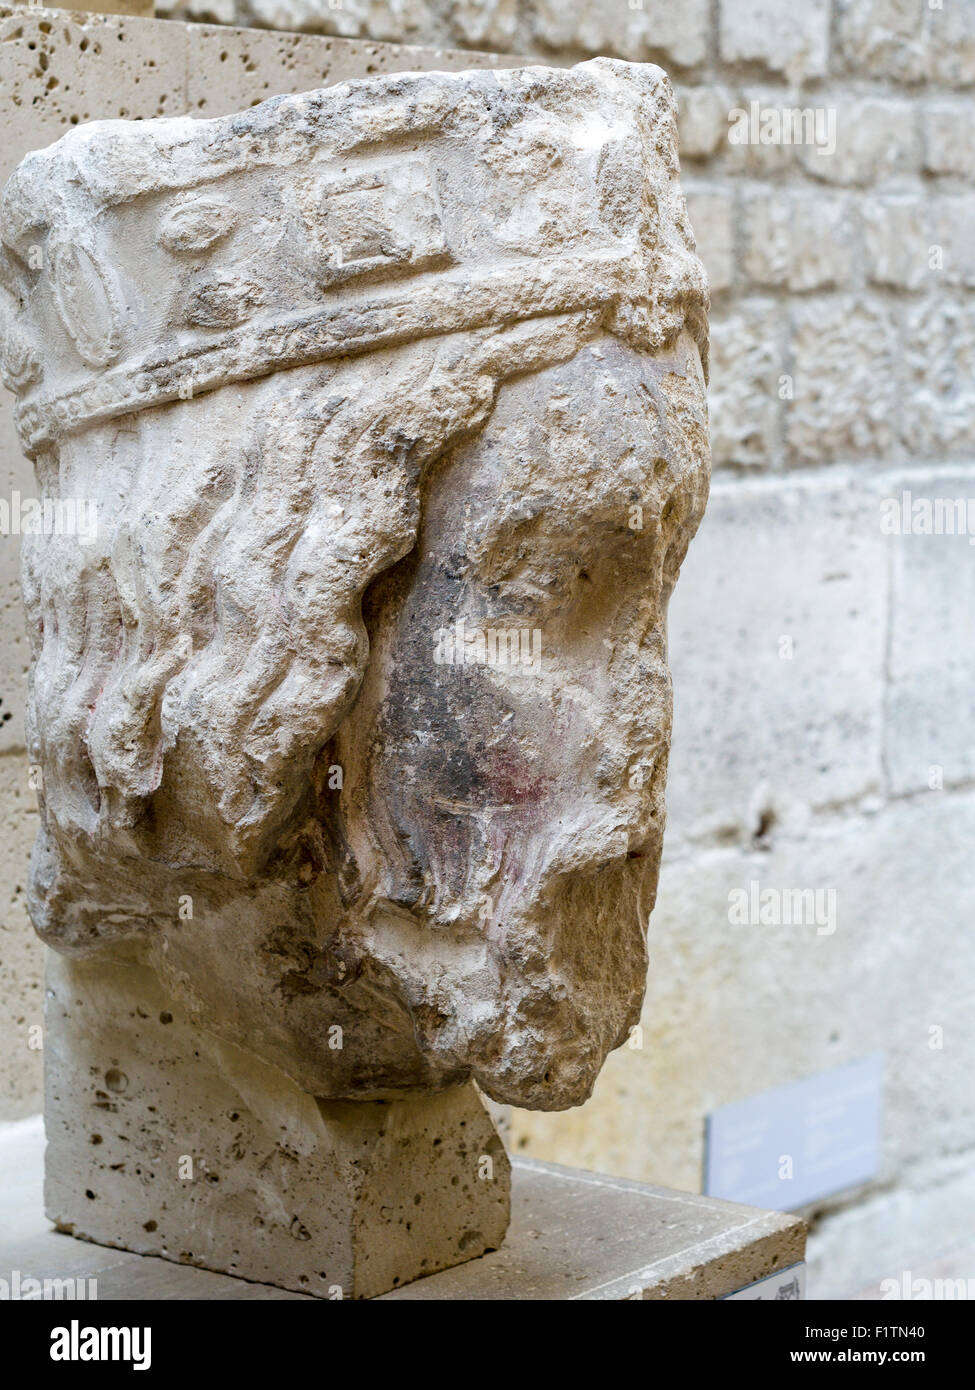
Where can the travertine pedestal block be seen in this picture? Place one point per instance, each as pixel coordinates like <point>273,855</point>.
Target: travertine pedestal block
<point>573,1236</point>
<point>374,427</point>
<point>165,1140</point>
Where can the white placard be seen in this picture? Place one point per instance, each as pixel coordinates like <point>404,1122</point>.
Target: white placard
<point>800,1142</point>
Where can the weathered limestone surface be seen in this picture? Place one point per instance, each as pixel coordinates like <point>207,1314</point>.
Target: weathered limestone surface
<point>651,30</point>
<point>807,230</point>
<point>164,1140</point>
<point>349,681</point>
<point>142,9</point>
<point>21,988</point>
<point>192,734</point>
<point>573,1236</point>
<point>57,69</point>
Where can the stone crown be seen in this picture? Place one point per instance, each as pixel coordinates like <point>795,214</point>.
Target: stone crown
<point>151,261</point>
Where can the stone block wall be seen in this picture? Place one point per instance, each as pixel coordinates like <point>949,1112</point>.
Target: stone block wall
<point>824,662</point>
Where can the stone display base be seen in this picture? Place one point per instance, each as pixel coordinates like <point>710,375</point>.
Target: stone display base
<point>139,9</point>
<point>165,1140</point>
<point>578,1235</point>
<point>573,1235</point>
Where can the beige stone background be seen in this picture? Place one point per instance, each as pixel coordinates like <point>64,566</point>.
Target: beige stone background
<point>843,374</point>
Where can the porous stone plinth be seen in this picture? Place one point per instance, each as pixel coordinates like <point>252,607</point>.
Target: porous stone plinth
<point>573,1236</point>
<point>165,1140</point>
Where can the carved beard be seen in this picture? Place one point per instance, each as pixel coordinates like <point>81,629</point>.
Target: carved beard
<point>492,816</point>
<point>531,953</point>
<point>510,927</point>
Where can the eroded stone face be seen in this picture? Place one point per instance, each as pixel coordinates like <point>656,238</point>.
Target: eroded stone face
<point>353,709</point>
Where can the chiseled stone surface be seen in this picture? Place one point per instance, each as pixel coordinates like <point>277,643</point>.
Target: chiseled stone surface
<point>21,953</point>
<point>641,30</point>
<point>573,1236</point>
<point>59,68</point>
<point>164,1140</point>
<point>844,402</point>
<point>792,40</point>
<point>349,682</point>
<point>301,807</point>
<point>747,363</point>
<point>813,643</point>
<point>810,231</point>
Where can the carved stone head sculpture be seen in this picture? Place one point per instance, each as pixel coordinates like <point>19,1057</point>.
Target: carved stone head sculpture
<point>353,707</point>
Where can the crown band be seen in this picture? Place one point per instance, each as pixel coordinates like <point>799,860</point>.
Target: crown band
<point>456,302</point>
<point>145,262</point>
